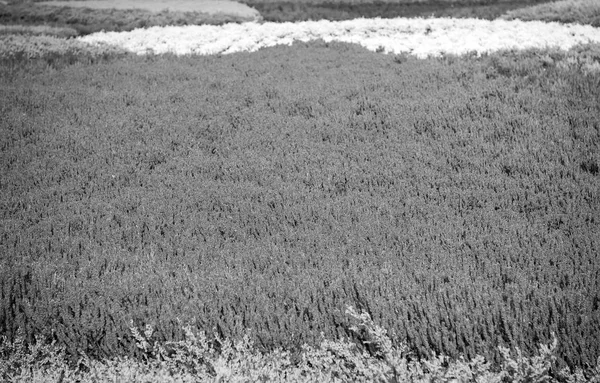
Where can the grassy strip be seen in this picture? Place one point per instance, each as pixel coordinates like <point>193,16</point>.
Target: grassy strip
<point>282,11</point>
<point>566,11</point>
<point>241,189</point>
<point>86,20</point>
<point>37,30</point>
<point>52,51</point>
<point>372,358</point>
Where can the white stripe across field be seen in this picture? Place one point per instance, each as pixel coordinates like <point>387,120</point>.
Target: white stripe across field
<point>420,37</point>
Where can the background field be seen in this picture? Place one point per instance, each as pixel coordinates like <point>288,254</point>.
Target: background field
<point>94,20</point>
<point>566,11</point>
<point>456,199</point>
<point>86,21</point>
<point>89,20</point>
<point>280,11</point>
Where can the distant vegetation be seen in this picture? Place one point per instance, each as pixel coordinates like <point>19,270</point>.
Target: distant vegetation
<point>37,30</point>
<point>86,20</point>
<point>280,11</point>
<point>565,11</point>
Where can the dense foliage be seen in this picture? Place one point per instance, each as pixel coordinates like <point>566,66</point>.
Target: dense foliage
<point>564,11</point>
<point>198,358</point>
<point>36,30</point>
<point>456,200</point>
<point>18,48</point>
<point>280,11</point>
<point>87,20</point>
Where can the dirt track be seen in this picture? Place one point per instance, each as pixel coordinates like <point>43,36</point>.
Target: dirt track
<point>205,6</point>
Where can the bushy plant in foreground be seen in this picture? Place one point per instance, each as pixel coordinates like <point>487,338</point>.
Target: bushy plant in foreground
<point>370,357</point>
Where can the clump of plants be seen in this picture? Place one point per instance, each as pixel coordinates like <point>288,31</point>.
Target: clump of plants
<point>88,20</point>
<point>368,357</point>
<point>564,11</point>
<point>19,47</point>
<point>38,30</point>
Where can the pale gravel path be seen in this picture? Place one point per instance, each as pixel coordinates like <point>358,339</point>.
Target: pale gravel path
<point>420,37</point>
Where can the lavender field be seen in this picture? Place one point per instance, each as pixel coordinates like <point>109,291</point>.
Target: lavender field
<point>368,199</point>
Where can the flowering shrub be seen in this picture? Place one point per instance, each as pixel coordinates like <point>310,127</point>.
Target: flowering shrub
<point>584,57</point>
<point>23,46</point>
<point>420,37</point>
<point>371,359</point>
<point>38,30</point>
